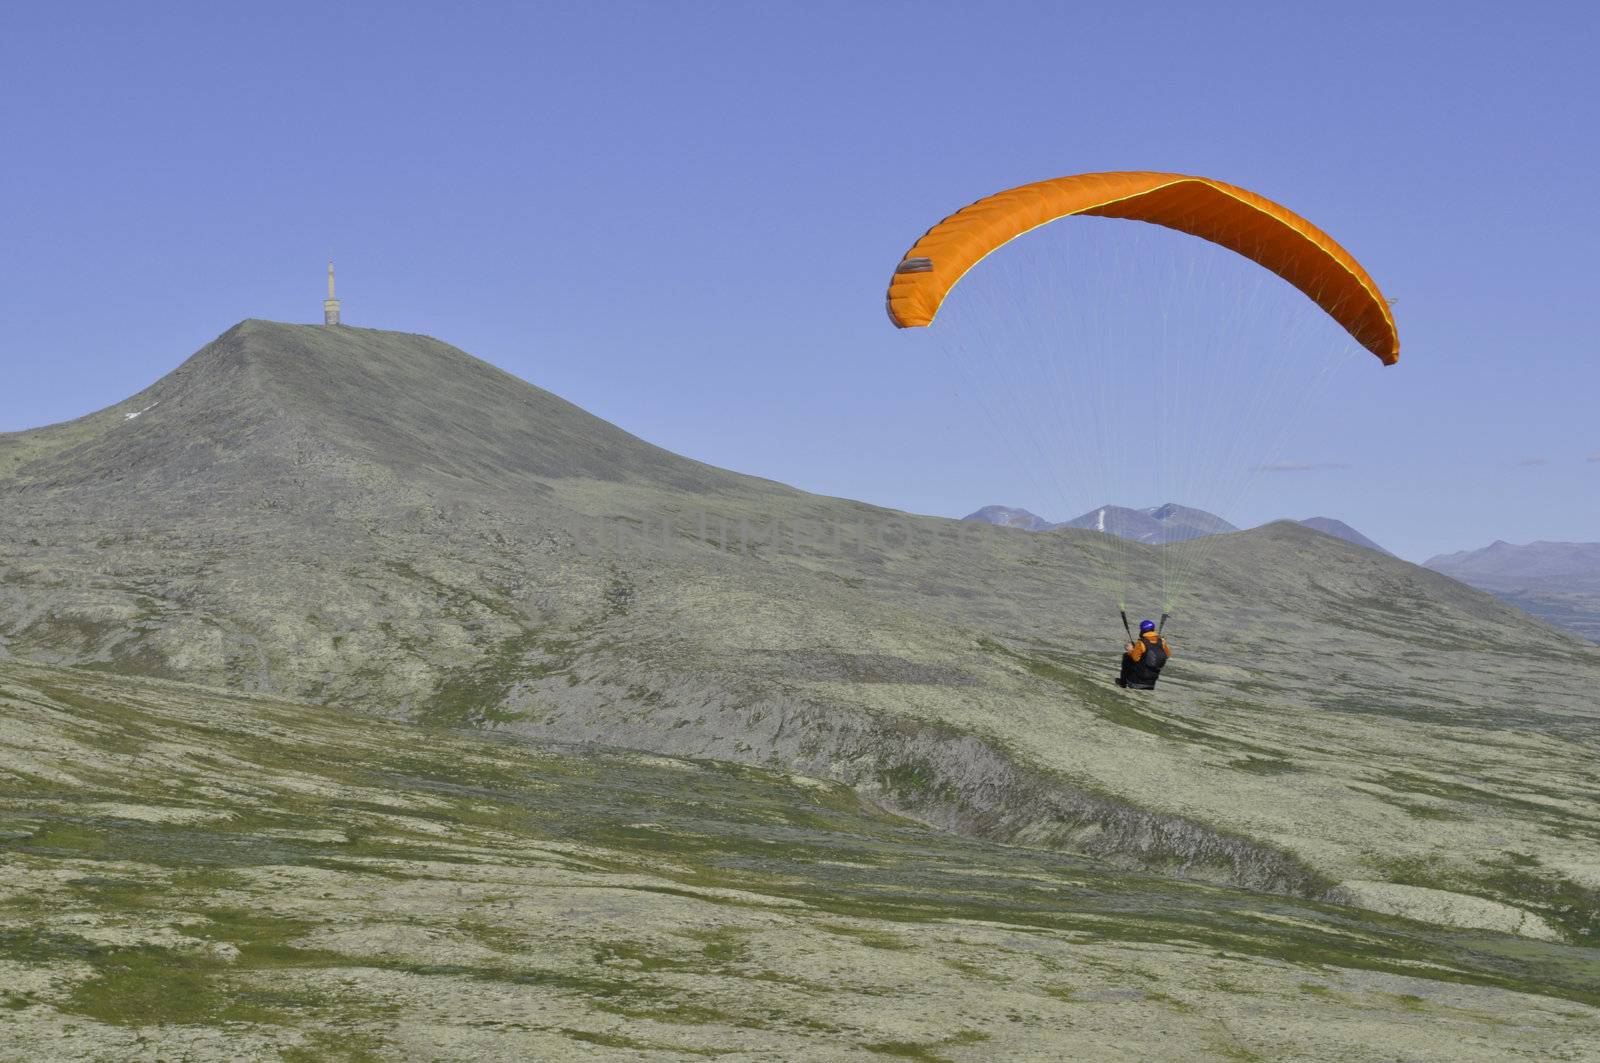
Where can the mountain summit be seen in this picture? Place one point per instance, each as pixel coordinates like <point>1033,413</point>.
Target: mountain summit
<point>1011,517</point>
<point>1340,530</point>
<point>268,408</point>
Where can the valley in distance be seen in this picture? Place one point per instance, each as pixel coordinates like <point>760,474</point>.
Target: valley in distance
<point>359,700</point>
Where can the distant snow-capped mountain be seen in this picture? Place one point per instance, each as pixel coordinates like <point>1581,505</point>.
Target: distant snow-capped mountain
<point>1170,523</point>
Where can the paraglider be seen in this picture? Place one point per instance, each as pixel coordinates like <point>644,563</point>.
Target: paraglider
<point>1143,657</point>
<point>1269,234</point>
<point>1046,355</point>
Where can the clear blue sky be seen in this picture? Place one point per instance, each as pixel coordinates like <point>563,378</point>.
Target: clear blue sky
<point>682,215</point>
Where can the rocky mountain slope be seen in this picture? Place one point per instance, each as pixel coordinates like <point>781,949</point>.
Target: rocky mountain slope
<point>1557,582</point>
<point>380,523</point>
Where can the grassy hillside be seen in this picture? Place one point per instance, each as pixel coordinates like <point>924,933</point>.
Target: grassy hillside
<point>190,874</point>
<point>380,523</point>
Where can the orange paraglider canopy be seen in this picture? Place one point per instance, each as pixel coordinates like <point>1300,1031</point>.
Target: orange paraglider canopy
<point>1261,230</point>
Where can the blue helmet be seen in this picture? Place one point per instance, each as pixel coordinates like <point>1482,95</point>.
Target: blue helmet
<point>1146,625</point>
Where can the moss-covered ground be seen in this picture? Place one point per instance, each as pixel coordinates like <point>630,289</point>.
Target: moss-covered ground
<point>188,874</point>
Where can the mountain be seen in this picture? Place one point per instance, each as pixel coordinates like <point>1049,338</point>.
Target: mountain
<point>1557,582</point>
<point>1340,530</point>
<point>1010,517</point>
<point>266,409</point>
<point>1170,523</point>
<point>379,524</point>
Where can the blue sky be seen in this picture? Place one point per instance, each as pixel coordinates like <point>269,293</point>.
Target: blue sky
<point>682,215</point>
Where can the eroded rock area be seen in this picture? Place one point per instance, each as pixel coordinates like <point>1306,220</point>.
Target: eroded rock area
<point>188,874</point>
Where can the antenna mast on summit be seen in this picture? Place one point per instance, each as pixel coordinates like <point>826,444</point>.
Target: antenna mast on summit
<point>330,305</point>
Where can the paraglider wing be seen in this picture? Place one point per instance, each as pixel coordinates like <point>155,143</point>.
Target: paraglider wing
<point>1261,230</point>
